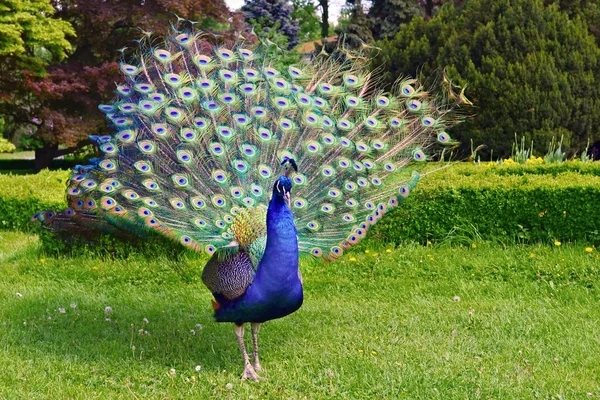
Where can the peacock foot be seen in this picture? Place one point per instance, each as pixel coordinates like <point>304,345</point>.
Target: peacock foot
<point>250,373</point>
<point>257,367</point>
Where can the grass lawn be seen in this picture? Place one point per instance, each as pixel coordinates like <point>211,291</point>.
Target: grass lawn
<point>415,322</point>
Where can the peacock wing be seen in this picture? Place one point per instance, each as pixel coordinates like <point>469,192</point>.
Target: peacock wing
<point>228,275</point>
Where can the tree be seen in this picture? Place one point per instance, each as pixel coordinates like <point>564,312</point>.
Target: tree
<point>310,24</point>
<point>429,6</point>
<point>387,16</point>
<point>70,93</point>
<point>324,4</point>
<point>530,69</point>
<point>30,39</point>
<point>267,14</point>
<point>357,30</point>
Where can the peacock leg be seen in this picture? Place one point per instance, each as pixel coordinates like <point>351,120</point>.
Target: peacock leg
<point>249,372</point>
<point>255,328</point>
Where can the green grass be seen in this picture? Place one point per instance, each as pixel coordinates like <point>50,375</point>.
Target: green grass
<point>377,325</point>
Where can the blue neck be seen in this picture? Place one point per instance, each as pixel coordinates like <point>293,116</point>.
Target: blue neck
<point>280,260</point>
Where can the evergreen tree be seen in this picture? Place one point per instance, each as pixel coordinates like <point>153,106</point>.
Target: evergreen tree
<point>387,16</point>
<point>267,14</point>
<point>530,69</point>
<point>357,30</point>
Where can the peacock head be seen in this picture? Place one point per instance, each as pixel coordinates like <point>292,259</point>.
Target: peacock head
<point>283,185</point>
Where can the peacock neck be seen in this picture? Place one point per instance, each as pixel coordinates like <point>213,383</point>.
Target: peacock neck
<point>280,260</point>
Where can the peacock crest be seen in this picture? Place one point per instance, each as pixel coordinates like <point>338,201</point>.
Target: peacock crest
<point>201,132</point>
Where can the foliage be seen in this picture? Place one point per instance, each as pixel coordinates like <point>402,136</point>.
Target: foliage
<point>418,322</point>
<point>528,203</point>
<point>387,16</point>
<point>67,97</point>
<point>6,146</point>
<point>30,40</point>
<point>265,14</point>
<point>356,31</point>
<point>530,69</point>
<point>306,15</point>
<point>588,10</point>
<point>500,201</point>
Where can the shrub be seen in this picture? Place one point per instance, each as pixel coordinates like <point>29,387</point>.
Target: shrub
<point>529,69</point>
<point>6,146</point>
<point>519,203</point>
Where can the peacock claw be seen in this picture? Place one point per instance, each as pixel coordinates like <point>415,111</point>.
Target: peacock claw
<point>257,367</point>
<point>250,373</point>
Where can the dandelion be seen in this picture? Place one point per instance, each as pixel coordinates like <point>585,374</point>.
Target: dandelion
<point>428,243</point>
<point>172,372</point>
<point>388,250</point>
<point>145,320</point>
<point>229,386</point>
<point>557,243</point>
<point>352,259</point>
<point>73,305</point>
<point>456,298</point>
<point>360,350</point>
<point>589,249</point>
<point>473,245</point>
<point>62,310</point>
<point>374,353</point>
<point>198,368</point>
<point>367,251</point>
<point>531,255</point>
<point>18,294</point>
<point>42,260</point>
<point>375,254</point>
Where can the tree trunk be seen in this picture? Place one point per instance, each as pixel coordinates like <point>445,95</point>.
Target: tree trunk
<point>325,18</point>
<point>44,156</point>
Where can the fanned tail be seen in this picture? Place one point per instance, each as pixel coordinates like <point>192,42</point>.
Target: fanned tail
<point>202,129</point>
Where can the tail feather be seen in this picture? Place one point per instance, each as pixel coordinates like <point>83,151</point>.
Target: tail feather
<point>201,130</point>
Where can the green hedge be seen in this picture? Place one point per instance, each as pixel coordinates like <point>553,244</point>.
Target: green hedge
<point>21,196</point>
<point>529,203</point>
<point>522,203</point>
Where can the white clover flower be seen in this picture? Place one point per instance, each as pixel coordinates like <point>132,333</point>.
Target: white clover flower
<point>172,372</point>
<point>229,386</point>
<point>145,320</point>
<point>199,327</point>
<point>107,319</point>
<point>141,332</point>
<point>198,368</point>
<point>18,294</point>
<point>73,305</point>
<point>193,332</point>
<point>108,309</point>
<point>133,348</point>
<point>62,310</point>
<point>456,298</point>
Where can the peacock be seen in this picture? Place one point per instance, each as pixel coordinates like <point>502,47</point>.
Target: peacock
<point>218,148</point>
